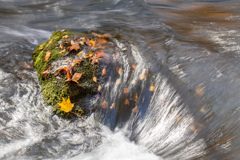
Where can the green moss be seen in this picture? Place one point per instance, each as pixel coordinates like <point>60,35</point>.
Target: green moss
<point>55,87</point>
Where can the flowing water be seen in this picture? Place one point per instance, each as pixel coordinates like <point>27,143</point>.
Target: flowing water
<point>183,94</point>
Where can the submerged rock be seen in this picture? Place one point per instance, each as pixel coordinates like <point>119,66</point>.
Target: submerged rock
<point>67,66</point>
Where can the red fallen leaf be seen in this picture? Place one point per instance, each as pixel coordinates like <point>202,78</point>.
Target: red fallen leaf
<point>41,48</point>
<point>73,47</point>
<point>126,102</point>
<point>62,51</point>
<point>101,41</point>
<point>104,71</point>
<point>125,90</point>
<point>48,54</point>
<point>104,104</point>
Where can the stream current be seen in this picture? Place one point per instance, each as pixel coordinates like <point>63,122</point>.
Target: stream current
<point>183,94</point>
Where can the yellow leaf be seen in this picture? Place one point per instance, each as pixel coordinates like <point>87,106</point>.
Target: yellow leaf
<point>66,106</point>
<point>112,106</point>
<point>95,79</point>
<point>65,36</point>
<point>92,43</point>
<point>80,53</point>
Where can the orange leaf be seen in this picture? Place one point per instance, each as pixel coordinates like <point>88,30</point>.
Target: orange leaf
<point>112,106</point>
<point>104,104</point>
<point>48,54</point>
<point>126,102</point>
<point>41,48</point>
<point>152,88</point>
<point>73,47</point>
<point>101,41</point>
<point>134,66</point>
<point>104,71</point>
<point>95,79</point>
<point>77,76</point>
<point>125,90</point>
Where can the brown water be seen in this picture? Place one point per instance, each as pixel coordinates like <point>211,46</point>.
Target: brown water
<point>188,50</point>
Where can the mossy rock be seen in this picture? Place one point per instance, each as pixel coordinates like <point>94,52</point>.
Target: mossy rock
<point>57,61</point>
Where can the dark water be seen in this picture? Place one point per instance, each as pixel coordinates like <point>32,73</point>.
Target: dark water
<point>188,50</point>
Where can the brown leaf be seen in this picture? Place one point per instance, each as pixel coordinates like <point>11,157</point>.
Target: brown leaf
<point>101,41</point>
<point>100,89</point>
<point>134,66</point>
<point>120,71</point>
<point>126,102</point>
<point>115,56</point>
<point>104,71</point>
<point>48,54</point>
<point>77,76</point>
<point>134,110</point>
<point>125,90</point>
<point>199,90</point>
<point>76,61</point>
<point>112,106</point>
<point>73,47</point>
<point>100,54</point>
<point>46,71</point>
<point>106,35</point>
<point>152,88</point>
<point>95,79</point>
<point>104,104</point>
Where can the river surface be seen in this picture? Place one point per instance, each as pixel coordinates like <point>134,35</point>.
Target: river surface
<point>180,63</point>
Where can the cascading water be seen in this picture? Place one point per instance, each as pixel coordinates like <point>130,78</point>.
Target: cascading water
<point>174,83</point>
